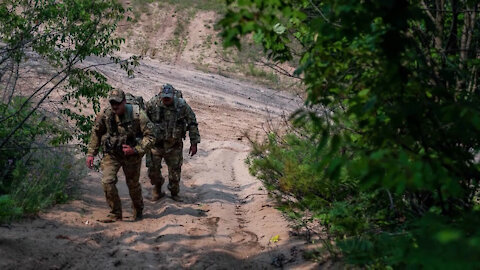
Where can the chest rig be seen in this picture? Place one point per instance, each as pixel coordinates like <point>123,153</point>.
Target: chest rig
<point>122,130</point>
<point>170,122</point>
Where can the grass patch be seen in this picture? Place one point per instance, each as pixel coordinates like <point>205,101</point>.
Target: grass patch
<point>36,173</point>
<point>207,5</point>
<point>180,34</point>
<point>41,179</point>
<point>254,71</point>
<point>180,5</point>
<point>371,228</point>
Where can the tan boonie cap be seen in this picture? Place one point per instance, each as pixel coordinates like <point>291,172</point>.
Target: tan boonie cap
<point>116,95</point>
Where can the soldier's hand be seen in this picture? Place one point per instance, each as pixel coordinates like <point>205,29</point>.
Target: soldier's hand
<point>90,162</point>
<point>193,150</point>
<point>128,150</point>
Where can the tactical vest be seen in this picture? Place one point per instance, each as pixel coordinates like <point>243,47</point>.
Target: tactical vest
<point>170,123</point>
<point>124,130</point>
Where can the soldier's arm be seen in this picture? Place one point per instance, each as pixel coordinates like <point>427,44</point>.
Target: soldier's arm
<point>148,140</point>
<point>99,129</point>
<point>150,106</point>
<point>192,125</point>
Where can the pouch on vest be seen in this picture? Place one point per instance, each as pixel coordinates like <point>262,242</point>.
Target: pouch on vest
<point>113,144</point>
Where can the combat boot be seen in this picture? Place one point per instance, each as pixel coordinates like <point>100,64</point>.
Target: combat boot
<point>157,193</point>
<point>177,198</point>
<point>137,214</point>
<point>111,217</point>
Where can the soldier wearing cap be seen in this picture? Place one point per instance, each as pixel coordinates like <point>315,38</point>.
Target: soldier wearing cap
<point>172,118</point>
<point>125,133</point>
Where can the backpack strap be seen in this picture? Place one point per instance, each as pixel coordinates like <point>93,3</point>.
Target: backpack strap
<point>135,112</point>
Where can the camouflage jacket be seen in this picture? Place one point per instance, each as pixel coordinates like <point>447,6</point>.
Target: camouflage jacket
<point>133,128</point>
<point>172,122</point>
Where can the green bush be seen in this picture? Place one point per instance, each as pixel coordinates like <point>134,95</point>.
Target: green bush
<point>8,209</point>
<point>35,173</point>
<point>371,227</point>
<point>43,178</point>
<point>34,170</point>
<point>392,120</point>
<point>46,179</point>
<point>22,141</point>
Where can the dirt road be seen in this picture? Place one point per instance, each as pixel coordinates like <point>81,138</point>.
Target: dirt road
<point>226,221</point>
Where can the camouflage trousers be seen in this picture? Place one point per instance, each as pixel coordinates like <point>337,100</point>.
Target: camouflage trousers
<point>131,167</point>
<point>174,159</point>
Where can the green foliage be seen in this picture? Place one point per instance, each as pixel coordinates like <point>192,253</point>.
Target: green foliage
<point>34,174</point>
<point>216,5</point>
<point>432,235</point>
<point>8,209</point>
<point>179,5</point>
<point>393,103</point>
<point>81,28</point>
<point>56,37</point>
<point>254,71</point>
<point>22,141</point>
<point>373,78</point>
<point>372,227</point>
<point>45,179</point>
<point>62,34</point>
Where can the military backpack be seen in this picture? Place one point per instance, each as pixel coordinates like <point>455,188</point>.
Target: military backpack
<point>135,100</point>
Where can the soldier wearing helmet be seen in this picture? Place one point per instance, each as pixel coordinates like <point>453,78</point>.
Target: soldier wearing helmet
<point>172,118</point>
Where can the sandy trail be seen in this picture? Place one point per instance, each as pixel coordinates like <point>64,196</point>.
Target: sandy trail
<point>226,221</point>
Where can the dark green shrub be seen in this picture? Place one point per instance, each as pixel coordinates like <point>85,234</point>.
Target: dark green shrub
<point>372,227</point>
<point>35,174</point>
<point>8,209</point>
<point>46,179</point>
<point>393,117</point>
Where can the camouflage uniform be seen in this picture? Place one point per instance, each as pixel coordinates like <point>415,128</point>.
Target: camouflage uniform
<point>171,123</point>
<point>111,131</point>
